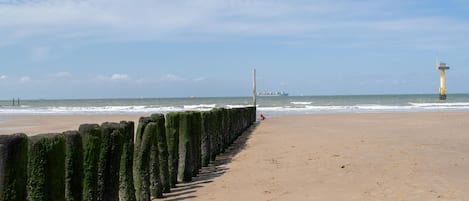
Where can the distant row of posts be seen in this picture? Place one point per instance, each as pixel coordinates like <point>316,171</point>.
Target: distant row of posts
<point>16,102</point>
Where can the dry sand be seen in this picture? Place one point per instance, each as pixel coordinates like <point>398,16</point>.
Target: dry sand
<point>405,156</point>
<point>395,157</point>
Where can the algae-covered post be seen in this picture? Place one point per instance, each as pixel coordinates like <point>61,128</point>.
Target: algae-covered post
<point>156,188</point>
<point>162,146</point>
<point>91,136</point>
<point>13,167</point>
<point>230,126</point>
<point>205,137</point>
<point>126,179</point>
<point>217,124</point>
<point>172,139</point>
<point>46,168</point>
<point>142,150</point>
<point>185,147</point>
<point>109,162</point>
<point>224,126</point>
<point>73,166</point>
<point>195,138</point>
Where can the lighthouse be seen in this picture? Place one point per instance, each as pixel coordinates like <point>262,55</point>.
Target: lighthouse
<point>442,67</point>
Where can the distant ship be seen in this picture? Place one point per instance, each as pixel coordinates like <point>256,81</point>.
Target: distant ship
<point>272,93</point>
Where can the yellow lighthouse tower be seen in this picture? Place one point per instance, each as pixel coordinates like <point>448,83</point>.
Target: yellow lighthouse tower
<point>442,67</point>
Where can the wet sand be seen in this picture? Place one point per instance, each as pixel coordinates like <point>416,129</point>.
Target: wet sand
<point>398,156</point>
<point>36,124</point>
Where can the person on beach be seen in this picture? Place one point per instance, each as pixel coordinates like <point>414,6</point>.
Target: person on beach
<point>263,117</point>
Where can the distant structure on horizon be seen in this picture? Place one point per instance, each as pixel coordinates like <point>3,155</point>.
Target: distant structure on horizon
<point>272,93</point>
<point>442,67</point>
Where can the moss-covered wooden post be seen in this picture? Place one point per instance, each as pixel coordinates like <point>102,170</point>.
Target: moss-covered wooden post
<point>172,139</point>
<point>240,123</point>
<point>213,135</point>
<point>223,127</point>
<point>162,151</point>
<point>91,136</point>
<point>205,138</point>
<point>217,125</point>
<point>185,147</point>
<point>156,188</point>
<point>226,116</point>
<point>230,126</point>
<point>126,179</point>
<point>73,166</point>
<point>195,138</point>
<point>13,167</point>
<point>109,162</point>
<point>142,150</point>
<point>46,168</point>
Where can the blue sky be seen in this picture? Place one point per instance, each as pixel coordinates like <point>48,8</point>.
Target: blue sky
<point>152,48</point>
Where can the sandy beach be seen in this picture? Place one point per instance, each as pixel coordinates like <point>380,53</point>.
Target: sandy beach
<point>55,123</point>
<point>396,156</point>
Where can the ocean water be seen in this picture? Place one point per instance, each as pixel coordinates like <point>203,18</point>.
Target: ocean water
<point>266,105</point>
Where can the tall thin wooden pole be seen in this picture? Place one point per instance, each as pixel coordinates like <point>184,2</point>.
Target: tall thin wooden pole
<point>254,93</point>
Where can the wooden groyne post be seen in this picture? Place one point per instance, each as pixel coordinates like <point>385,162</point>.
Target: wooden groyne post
<point>254,91</point>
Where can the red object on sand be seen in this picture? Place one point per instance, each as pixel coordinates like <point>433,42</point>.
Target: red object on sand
<point>263,117</point>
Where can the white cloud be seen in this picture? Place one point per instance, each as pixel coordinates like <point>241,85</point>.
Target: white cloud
<point>119,77</point>
<point>24,79</point>
<point>3,77</point>
<point>343,23</point>
<point>171,78</point>
<point>114,77</point>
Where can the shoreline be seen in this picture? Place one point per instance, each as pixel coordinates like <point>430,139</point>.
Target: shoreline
<point>37,123</point>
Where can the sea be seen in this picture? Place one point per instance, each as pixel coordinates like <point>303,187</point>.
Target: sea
<point>274,106</point>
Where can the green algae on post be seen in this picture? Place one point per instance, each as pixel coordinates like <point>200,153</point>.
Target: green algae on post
<point>172,139</point>
<point>142,151</point>
<point>91,136</point>
<point>46,168</point>
<point>185,147</point>
<point>73,166</point>
<point>205,138</point>
<point>13,167</point>
<point>160,140</point>
<point>126,180</point>
<point>109,161</point>
<point>156,189</point>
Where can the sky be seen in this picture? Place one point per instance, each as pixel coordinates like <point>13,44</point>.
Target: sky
<point>72,49</point>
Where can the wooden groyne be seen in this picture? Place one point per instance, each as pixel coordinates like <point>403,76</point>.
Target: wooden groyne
<point>109,162</point>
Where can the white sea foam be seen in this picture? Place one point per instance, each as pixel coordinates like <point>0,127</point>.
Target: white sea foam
<point>86,110</point>
<point>301,103</point>
<point>361,108</point>
<point>266,106</point>
<point>237,106</point>
<point>200,106</point>
<point>384,107</point>
<point>440,104</point>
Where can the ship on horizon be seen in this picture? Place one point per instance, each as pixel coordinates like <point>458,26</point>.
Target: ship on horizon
<point>272,93</point>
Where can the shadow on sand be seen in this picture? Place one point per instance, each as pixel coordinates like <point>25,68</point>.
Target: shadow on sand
<point>186,190</point>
